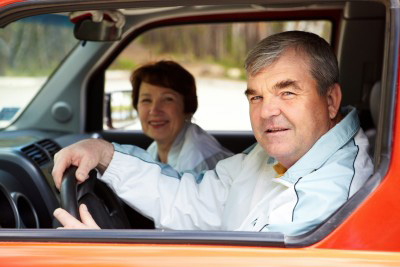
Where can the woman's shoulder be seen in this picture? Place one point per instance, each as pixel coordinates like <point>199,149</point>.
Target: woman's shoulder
<point>200,140</point>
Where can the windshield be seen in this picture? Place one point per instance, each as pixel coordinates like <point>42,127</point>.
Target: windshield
<point>30,50</point>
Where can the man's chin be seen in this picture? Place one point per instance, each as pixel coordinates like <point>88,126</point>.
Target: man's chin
<point>278,152</point>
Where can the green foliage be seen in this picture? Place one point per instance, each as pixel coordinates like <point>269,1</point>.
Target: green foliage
<point>32,48</point>
<point>123,64</point>
<point>221,44</point>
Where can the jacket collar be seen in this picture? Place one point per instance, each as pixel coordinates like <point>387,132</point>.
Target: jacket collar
<point>326,146</point>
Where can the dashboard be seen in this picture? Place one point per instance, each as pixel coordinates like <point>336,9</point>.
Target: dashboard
<point>28,195</point>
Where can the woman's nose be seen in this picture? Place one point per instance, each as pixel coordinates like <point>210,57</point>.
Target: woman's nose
<point>155,107</point>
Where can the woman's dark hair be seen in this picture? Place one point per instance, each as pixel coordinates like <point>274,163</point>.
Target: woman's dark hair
<point>167,74</point>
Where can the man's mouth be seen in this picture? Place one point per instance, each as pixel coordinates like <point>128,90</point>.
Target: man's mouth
<point>276,130</point>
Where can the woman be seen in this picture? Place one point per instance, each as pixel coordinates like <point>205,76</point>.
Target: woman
<point>164,95</point>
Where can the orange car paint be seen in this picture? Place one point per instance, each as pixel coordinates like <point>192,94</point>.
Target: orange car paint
<point>52,254</point>
<point>4,3</point>
<point>375,225</point>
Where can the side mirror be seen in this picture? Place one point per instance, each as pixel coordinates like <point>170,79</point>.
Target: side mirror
<point>98,25</point>
<point>119,111</point>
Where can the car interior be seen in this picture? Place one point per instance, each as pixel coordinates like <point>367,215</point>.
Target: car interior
<point>72,105</point>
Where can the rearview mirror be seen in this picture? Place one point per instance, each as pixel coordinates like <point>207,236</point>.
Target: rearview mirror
<point>98,25</point>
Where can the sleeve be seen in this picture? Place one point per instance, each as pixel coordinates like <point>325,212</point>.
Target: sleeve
<point>173,200</point>
<point>210,162</point>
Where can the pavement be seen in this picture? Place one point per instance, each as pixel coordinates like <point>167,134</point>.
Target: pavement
<point>222,104</point>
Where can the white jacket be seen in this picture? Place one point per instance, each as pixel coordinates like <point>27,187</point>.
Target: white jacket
<point>242,193</point>
<point>193,149</point>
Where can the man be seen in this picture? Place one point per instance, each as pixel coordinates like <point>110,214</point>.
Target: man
<point>308,160</point>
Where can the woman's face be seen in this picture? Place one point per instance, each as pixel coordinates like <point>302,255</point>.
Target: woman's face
<point>161,112</point>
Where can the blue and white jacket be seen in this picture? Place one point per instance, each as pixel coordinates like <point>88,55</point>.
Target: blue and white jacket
<point>193,149</point>
<point>242,192</point>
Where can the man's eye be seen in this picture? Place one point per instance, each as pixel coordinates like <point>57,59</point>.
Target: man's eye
<point>255,99</point>
<point>288,94</point>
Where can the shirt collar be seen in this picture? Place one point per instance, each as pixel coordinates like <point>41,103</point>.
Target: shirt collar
<point>174,151</point>
<point>279,169</point>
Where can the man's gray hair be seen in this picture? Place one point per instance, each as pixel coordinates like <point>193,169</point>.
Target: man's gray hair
<point>322,61</point>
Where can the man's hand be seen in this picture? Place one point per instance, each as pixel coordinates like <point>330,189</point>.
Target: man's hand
<point>86,155</point>
<point>69,222</point>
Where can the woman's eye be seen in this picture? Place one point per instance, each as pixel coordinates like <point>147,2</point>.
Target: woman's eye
<point>169,99</point>
<point>145,100</point>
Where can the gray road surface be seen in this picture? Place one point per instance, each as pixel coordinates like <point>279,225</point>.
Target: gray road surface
<point>222,104</point>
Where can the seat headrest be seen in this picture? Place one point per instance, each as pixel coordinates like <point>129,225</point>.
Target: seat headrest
<point>374,101</point>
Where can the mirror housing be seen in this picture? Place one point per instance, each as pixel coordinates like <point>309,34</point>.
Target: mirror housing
<point>98,25</point>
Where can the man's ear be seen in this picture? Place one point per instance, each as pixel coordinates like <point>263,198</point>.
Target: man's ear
<point>334,97</point>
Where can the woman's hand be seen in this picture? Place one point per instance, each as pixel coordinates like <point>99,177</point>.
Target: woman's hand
<point>69,222</point>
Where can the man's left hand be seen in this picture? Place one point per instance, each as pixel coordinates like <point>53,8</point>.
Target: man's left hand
<point>70,222</point>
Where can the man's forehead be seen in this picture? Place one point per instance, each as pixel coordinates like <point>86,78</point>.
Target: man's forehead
<point>261,74</point>
<point>292,67</point>
<point>290,56</point>
<point>275,85</point>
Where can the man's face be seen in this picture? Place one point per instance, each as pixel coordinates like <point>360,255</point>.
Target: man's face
<point>287,114</point>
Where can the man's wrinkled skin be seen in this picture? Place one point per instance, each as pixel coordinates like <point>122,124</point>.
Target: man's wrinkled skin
<point>70,222</point>
<point>86,155</point>
<point>287,113</point>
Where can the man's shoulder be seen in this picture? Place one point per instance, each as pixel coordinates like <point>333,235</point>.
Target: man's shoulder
<point>351,165</point>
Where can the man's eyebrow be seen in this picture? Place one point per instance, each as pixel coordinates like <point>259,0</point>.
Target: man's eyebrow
<point>249,91</point>
<point>285,84</point>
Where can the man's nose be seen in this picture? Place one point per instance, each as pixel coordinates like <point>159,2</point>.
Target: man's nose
<point>270,107</point>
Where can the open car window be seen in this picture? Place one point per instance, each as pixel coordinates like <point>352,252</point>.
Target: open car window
<point>213,53</point>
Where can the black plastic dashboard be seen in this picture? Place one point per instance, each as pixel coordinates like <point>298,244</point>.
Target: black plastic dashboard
<point>28,196</point>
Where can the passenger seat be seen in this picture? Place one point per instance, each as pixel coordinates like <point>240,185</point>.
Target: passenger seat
<point>374,103</point>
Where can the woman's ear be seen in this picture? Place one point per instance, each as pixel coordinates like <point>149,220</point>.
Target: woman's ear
<point>334,97</point>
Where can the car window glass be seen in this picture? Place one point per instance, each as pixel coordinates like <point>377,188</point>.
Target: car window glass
<point>213,53</point>
<point>30,50</point>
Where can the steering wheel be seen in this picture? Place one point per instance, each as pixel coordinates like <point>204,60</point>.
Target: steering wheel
<point>104,206</point>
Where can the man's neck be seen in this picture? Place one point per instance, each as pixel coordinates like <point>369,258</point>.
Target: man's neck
<point>336,120</point>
